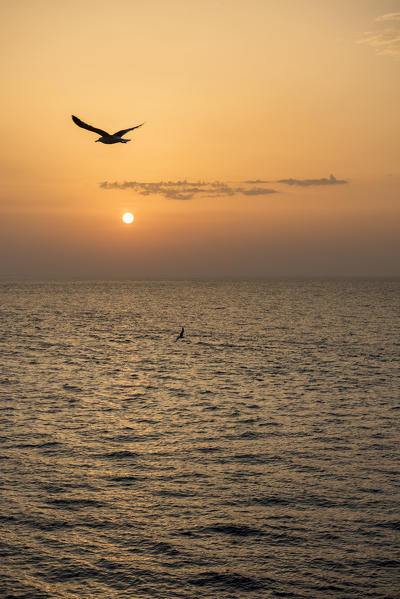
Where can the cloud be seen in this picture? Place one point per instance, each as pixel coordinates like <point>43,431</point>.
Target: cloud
<point>391,16</point>
<point>385,37</point>
<point>309,182</point>
<point>186,190</point>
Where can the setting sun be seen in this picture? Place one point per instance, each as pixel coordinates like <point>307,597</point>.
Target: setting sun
<point>128,218</point>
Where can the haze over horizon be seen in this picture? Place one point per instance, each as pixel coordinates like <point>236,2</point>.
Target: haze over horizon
<point>270,145</point>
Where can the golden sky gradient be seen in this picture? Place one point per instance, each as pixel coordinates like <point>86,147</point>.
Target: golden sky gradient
<point>230,91</point>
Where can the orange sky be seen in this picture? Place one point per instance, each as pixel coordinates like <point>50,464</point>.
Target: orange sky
<point>231,91</point>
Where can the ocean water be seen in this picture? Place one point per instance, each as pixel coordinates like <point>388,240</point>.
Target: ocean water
<point>257,457</point>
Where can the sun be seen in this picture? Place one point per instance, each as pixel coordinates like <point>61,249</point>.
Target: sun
<point>128,218</point>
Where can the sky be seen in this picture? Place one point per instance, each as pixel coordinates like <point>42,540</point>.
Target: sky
<point>270,146</point>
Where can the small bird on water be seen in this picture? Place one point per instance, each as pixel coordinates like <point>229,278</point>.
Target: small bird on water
<point>180,336</point>
<point>106,138</point>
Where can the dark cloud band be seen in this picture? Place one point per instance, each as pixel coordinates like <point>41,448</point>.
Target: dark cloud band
<point>187,190</point>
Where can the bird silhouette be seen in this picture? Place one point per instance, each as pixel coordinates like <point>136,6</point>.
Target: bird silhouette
<point>180,336</point>
<point>106,138</point>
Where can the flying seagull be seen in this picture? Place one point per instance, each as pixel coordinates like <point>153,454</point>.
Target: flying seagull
<point>106,138</point>
<point>180,336</point>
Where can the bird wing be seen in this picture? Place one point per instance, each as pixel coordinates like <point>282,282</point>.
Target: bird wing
<point>123,131</point>
<point>88,127</point>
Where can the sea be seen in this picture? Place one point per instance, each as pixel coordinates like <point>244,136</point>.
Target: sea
<point>256,457</point>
